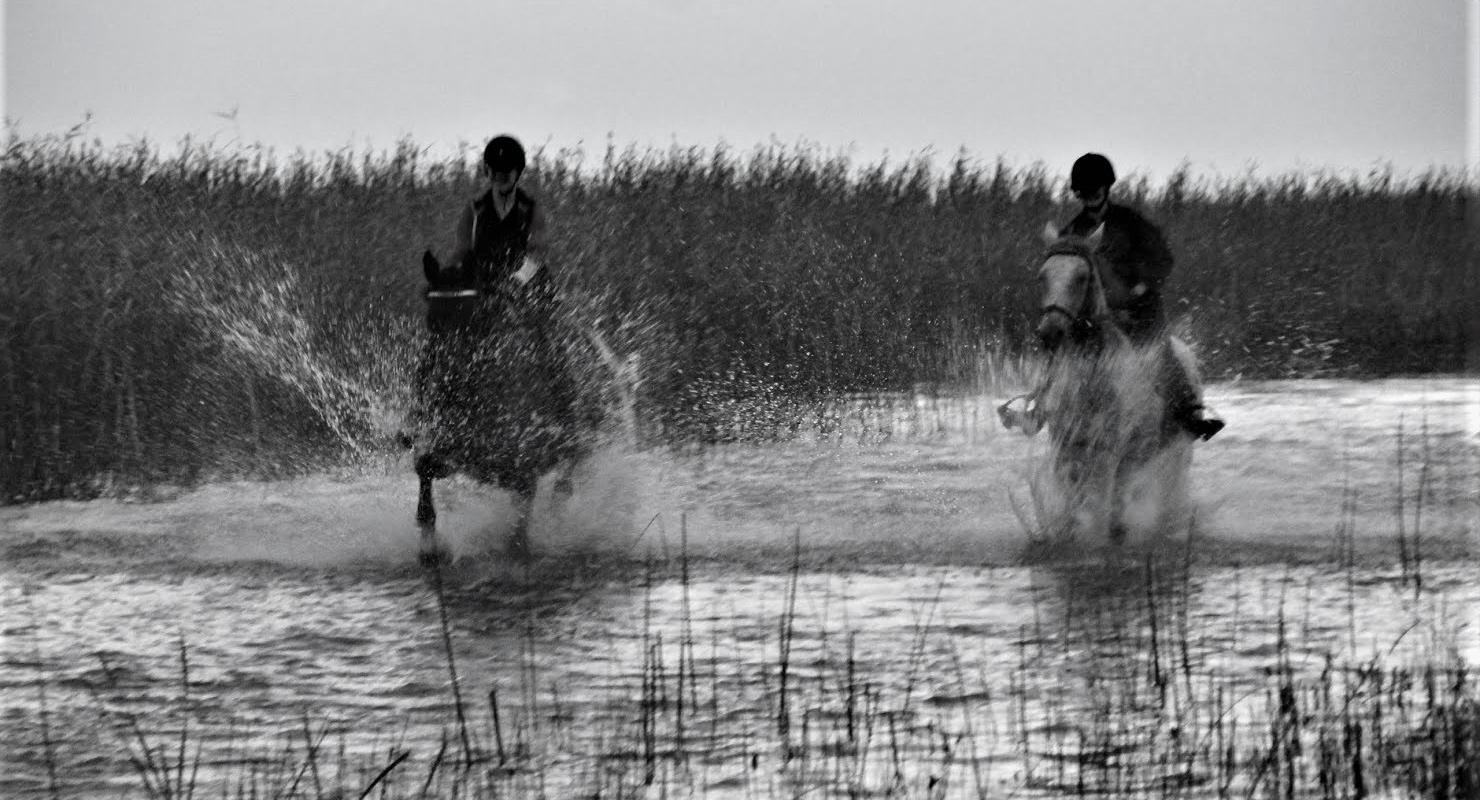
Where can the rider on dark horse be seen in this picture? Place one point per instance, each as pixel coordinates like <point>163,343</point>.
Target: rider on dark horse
<point>501,234</point>
<point>1137,253</point>
<point>498,377</point>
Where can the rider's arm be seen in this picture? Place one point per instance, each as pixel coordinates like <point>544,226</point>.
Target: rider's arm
<point>534,256</point>
<point>1155,256</point>
<point>537,231</point>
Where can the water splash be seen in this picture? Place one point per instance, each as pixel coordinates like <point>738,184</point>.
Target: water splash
<point>258,308</point>
<point>1102,469</point>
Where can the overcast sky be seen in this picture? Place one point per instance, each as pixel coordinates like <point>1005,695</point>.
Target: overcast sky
<point>1223,84</point>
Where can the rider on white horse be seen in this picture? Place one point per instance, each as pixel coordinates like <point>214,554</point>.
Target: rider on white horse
<point>1137,253</point>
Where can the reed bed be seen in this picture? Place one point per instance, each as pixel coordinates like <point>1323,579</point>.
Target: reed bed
<point>177,317</point>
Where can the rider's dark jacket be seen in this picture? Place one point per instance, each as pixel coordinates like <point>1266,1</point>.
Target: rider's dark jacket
<point>1137,253</point>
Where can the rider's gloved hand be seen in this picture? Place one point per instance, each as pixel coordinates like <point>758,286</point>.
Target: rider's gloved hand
<point>527,271</point>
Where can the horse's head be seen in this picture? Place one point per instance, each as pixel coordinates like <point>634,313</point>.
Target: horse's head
<point>451,298</point>
<point>442,277</point>
<point>1073,306</point>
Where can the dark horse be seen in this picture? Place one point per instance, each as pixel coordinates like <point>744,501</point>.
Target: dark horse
<point>1118,456</point>
<point>495,399</point>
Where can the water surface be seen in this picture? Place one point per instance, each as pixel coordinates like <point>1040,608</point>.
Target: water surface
<point>859,608</point>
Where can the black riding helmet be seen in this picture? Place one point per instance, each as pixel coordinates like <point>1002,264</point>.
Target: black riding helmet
<point>504,154</point>
<point>1091,171</point>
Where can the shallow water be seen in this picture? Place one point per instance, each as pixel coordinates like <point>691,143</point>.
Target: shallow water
<point>857,609</point>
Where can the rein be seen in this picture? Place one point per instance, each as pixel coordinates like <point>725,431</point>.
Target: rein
<point>1082,325</point>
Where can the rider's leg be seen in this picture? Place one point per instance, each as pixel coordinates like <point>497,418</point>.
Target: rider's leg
<point>423,388</point>
<point>1145,324</point>
<point>1183,399</point>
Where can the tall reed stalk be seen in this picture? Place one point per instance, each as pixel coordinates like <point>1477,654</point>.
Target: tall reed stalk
<point>146,289</point>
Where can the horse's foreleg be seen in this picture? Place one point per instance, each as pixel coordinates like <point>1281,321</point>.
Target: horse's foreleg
<point>563,482</point>
<point>1089,487</point>
<point>426,520</point>
<point>1122,483</point>
<point>1116,512</point>
<point>519,534</point>
<point>426,509</point>
<point>427,468</point>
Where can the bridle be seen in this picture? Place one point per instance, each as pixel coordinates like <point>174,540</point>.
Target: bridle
<point>1083,322</point>
<point>1085,325</point>
<point>1080,324</point>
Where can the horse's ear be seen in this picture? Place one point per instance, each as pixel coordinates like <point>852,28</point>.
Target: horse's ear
<point>1050,232</point>
<point>430,266</point>
<point>1094,237</point>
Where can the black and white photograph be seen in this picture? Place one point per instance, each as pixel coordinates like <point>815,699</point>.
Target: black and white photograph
<point>649,399</point>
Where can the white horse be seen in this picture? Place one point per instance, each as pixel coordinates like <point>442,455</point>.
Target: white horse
<point>1118,460</point>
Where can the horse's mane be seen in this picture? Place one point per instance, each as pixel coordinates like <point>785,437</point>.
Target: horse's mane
<point>1071,245</point>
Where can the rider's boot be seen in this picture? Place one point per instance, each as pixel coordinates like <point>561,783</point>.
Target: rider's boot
<point>1194,419</point>
<point>1187,408</point>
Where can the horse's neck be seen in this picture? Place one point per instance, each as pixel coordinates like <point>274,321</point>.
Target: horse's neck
<point>1108,335</point>
<point>1099,299</point>
<point>1113,291</point>
<point>1102,335</point>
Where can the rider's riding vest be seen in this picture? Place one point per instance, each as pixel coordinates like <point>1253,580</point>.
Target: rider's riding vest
<point>499,244</point>
<point>498,249</point>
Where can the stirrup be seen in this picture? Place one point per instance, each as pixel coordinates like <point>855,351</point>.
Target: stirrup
<point>1025,420</point>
